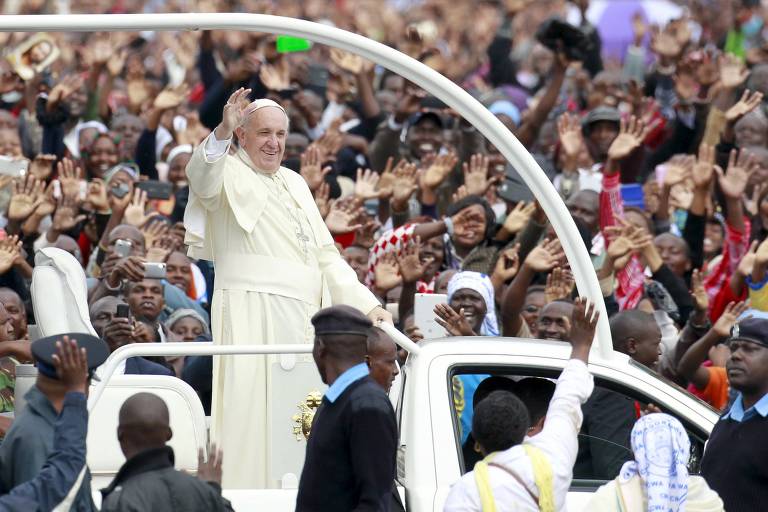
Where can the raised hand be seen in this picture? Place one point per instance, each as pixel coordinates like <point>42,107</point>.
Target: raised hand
<point>476,175</point>
<point>583,326</point>
<point>741,165</point>
<point>347,61</point>
<point>679,169</point>
<point>343,218</point>
<point>665,44</point>
<point>171,97</point>
<point>311,169</point>
<point>42,166</point>
<point>330,143</point>
<point>404,185</point>
<point>519,217</point>
<point>545,256</point>
<point>571,138</point>
<point>130,268</point>
<point>409,260</point>
<point>704,168</point>
<point>116,62</point>
<point>10,249</point>
<point>97,196</point>
<point>409,104</point>
<point>460,194</point>
<point>748,102</point>
<point>733,73</point>
<point>66,217</point>
<point>25,198</point>
<point>366,235</point>
<point>387,180</point>
<point>632,133</point>
<point>439,169</point>
<point>154,232</point>
<point>559,285</point>
<point>322,199</point>
<point>698,292</point>
<point>275,77</point>
<point>71,364</point>
<point>210,471</point>
<point>507,265</point>
<point>366,184</point>
<point>455,323</point>
<point>135,214</point>
<point>69,177</point>
<point>386,275</point>
<point>728,318</point>
<point>233,114</point>
<point>747,263</point>
<point>64,89</point>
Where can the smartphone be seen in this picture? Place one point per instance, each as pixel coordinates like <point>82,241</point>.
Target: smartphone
<point>123,311</point>
<point>156,189</point>
<point>632,195</point>
<point>154,270</point>
<point>424,314</point>
<point>123,248</point>
<point>16,168</point>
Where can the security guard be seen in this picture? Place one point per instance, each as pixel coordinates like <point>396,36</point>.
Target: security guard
<point>350,462</point>
<point>29,442</point>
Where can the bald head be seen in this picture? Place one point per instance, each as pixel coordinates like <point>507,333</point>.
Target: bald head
<point>131,233</point>
<point>144,424</point>
<point>637,334</point>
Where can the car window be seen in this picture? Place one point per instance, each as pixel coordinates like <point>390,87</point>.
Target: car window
<point>609,416</point>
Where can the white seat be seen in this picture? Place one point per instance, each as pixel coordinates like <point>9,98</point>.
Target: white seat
<point>186,415</point>
<point>59,294</point>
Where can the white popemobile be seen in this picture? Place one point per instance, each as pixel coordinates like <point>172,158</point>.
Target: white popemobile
<point>429,457</point>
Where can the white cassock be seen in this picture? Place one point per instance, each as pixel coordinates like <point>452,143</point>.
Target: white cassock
<point>276,265</point>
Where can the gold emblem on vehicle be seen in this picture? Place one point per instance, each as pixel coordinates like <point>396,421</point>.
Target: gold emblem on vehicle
<point>306,414</point>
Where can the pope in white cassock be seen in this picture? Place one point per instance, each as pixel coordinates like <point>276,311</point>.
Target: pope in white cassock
<point>276,265</point>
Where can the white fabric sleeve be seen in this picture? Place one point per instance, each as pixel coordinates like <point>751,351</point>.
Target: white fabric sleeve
<point>215,148</point>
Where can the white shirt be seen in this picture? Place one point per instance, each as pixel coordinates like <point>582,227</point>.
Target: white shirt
<point>557,440</point>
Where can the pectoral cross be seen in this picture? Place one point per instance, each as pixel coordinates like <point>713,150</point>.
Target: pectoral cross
<point>303,239</point>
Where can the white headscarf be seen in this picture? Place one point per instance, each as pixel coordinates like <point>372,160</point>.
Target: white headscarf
<point>480,283</point>
<point>178,150</point>
<point>661,447</point>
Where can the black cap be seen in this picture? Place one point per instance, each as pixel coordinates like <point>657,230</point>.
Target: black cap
<point>754,329</point>
<point>44,348</point>
<point>601,113</point>
<point>418,117</point>
<point>341,320</point>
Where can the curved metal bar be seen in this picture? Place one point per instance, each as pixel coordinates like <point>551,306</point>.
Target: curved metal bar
<point>182,349</point>
<point>418,73</point>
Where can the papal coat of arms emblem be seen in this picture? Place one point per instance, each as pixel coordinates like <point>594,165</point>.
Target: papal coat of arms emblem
<point>307,409</point>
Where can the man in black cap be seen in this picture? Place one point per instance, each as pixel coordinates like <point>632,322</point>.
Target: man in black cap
<point>350,461</point>
<point>29,442</point>
<point>735,463</point>
<point>63,467</point>
<point>600,127</point>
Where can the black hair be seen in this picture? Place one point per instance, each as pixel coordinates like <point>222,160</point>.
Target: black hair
<point>491,384</point>
<point>630,323</point>
<point>500,421</point>
<point>535,393</point>
<point>466,202</point>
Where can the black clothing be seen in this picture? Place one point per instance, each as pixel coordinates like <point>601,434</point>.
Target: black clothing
<point>735,463</point>
<point>604,440</point>
<point>149,482</point>
<point>350,463</point>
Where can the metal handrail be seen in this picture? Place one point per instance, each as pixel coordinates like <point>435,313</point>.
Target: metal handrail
<point>409,68</point>
<point>107,370</point>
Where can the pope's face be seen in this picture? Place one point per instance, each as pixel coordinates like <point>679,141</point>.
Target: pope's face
<point>263,137</point>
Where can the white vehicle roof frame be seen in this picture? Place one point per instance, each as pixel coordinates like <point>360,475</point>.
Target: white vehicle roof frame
<point>428,79</point>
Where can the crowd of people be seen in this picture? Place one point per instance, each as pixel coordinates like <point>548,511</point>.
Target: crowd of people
<point>660,153</point>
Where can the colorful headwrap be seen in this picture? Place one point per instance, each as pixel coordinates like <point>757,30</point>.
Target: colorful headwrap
<point>480,283</point>
<point>661,447</point>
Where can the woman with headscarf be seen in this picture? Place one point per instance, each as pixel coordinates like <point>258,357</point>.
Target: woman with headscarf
<point>658,478</point>
<point>186,325</point>
<point>470,312</point>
